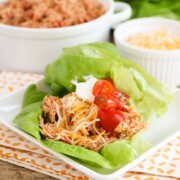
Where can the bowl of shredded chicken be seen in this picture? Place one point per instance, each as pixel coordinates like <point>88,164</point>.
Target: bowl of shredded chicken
<point>48,13</point>
<point>36,31</point>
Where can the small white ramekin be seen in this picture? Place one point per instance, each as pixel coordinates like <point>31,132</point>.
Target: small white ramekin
<point>164,65</point>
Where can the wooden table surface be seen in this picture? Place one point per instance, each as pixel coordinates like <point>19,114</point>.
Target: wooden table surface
<point>10,171</point>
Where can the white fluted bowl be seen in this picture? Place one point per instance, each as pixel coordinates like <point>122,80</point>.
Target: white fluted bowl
<point>164,65</point>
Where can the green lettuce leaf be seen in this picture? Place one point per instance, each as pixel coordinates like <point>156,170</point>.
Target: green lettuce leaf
<point>160,8</point>
<point>139,144</point>
<point>148,95</point>
<point>28,119</point>
<point>32,95</point>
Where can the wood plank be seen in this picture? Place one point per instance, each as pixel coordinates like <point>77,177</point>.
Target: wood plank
<point>10,171</point>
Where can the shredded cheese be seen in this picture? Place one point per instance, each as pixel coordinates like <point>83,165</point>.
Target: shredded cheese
<point>159,40</point>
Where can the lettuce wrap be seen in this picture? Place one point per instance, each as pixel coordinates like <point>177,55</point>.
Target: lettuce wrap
<point>100,60</point>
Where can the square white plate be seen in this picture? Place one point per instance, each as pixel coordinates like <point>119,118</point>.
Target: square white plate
<point>158,134</point>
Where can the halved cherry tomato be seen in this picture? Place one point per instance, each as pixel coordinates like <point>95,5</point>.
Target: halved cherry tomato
<point>109,119</point>
<point>102,87</point>
<point>121,98</point>
<point>111,81</point>
<point>105,101</point>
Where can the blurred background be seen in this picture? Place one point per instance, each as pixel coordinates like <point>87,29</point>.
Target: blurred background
<point>159,8</point>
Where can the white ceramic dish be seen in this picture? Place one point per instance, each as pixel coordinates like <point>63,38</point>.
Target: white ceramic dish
<point>31,49</point>
<point>162,64</point>
<point>160,132</point>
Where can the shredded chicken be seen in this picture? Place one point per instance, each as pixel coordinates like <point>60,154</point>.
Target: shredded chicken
<point>74,121</point>
<point>131,124</point>
<point>49,13</point>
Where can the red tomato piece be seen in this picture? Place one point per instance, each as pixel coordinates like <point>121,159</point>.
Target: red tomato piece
<point>111,81</point>
<point>102,87</point>
<point>109,119</point>
<point>121,98</point>
<point>105,101</point>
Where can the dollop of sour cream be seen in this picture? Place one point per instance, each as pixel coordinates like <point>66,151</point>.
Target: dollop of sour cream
<point>84,89</point>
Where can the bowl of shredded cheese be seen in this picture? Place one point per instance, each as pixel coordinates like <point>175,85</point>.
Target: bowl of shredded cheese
<point>154,44</point>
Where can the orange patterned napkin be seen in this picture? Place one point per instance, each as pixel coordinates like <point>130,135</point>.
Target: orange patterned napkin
<point>17,150</point>
<point>163,164</point>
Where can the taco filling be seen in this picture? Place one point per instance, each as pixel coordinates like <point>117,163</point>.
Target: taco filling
<point>91,123</point>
